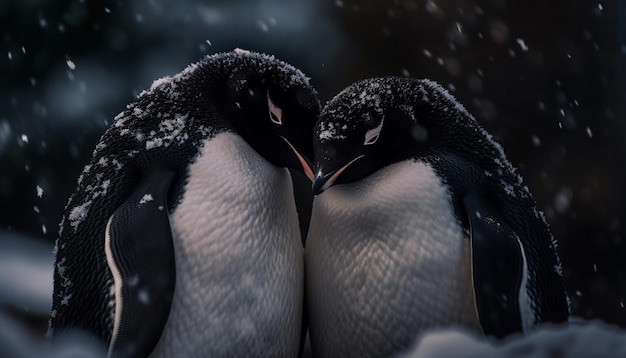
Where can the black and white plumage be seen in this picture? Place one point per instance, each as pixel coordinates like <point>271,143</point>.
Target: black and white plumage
<point>419,222</point>
<point>182,236</point>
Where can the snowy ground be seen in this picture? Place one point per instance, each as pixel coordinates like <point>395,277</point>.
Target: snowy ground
<point>592,339</point>
<point>584,340</point>
<point>25,298</point>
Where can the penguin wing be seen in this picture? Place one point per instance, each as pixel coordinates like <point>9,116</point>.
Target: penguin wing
<point>140,254</point>
<point>499,269</point>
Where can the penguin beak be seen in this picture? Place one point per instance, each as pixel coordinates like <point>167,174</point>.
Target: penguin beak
<point>306,165</point>
<point>324,181</point>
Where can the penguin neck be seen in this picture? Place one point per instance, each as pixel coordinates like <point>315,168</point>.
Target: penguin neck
<point>389,191</point>
<point>230,179</point>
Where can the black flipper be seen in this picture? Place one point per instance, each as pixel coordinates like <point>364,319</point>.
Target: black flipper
<point>140,253</point>
<point>498,269</point>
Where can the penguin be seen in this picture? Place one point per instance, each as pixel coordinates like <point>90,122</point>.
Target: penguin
<point>419,221</point>
<point>182,238</point>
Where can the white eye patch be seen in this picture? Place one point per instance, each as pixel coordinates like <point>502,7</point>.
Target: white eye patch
<point>371,136</point>
<point>276,113</point>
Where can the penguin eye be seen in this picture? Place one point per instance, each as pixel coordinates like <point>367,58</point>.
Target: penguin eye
<point>371,136</point>
<point>276,114</point>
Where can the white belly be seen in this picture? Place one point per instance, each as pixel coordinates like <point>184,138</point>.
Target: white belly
<point>238,252</point>
<point>385,259</point>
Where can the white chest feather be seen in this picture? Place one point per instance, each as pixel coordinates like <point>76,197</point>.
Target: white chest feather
<point>238,258</point>
<point>385,258</point>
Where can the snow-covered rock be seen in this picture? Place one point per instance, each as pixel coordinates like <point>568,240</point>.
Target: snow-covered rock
<point>25,273</point>
<point>585,340</point>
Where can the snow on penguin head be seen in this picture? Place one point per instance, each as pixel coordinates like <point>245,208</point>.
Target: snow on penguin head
<point>268,102</point>
<point>380,121</point>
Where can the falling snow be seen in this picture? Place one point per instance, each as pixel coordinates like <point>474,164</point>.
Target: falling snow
<point>535,140</point>
<point>563,200</point>
<point>518,62</point>
<point>431,6</point>
<point>522,44</point>
<point>262,25</point>
<point>144,297</point>
<point>585,339</point>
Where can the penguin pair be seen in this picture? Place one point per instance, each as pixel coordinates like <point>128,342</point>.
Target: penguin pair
<point>419,221</point>
<point>182,238</point>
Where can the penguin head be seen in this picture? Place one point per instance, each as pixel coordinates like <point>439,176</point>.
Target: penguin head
<point>272,106</point>
<point>371,124</point>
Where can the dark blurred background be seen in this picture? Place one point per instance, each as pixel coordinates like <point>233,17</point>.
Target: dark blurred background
<point>546,78</point>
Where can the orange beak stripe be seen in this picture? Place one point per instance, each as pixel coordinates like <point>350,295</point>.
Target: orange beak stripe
<point>305,165</point>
